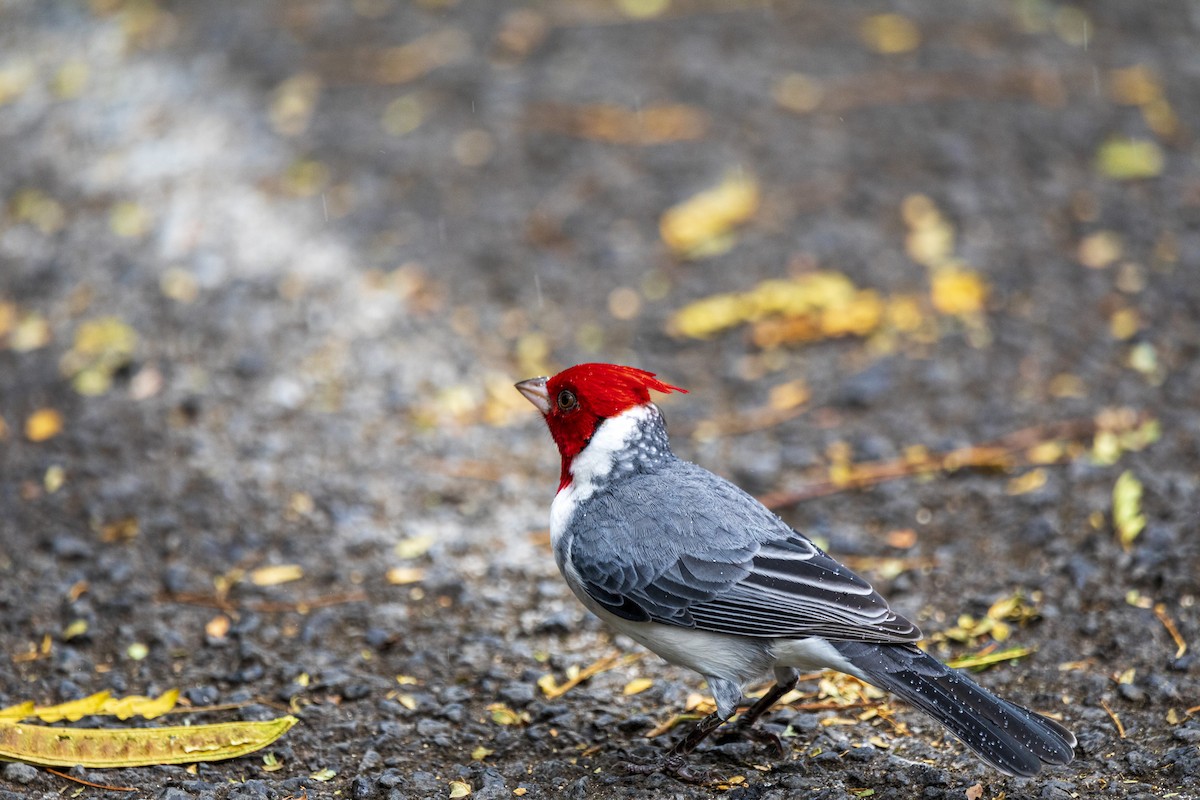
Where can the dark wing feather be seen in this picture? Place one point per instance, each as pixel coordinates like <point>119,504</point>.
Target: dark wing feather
<point>719,562</point>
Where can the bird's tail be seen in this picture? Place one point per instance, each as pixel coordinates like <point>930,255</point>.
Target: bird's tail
<point>1012,739</point>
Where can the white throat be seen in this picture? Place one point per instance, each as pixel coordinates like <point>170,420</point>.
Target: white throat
<point>594,463</point>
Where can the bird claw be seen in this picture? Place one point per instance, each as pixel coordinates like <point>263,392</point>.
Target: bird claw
<point>757,735</point>
<point>674,764</point>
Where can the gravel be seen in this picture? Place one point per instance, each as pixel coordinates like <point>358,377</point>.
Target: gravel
<point>338,249</point>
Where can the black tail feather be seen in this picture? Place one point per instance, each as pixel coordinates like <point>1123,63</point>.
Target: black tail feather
<point>1012,739</point>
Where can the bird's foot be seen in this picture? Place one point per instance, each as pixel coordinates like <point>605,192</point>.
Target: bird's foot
<point>757,735</point>
<point>674,764</point>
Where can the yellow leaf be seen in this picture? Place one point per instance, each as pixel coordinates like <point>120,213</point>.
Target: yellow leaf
<point>1029,482</point>
<point>1124,323</point>
<point>978,662</point>
<point>503,715</point>
<point>459,789</point>
<point>103,748</point>
<point>798,93</point>
<point>787,396</point>
<point>643,9</point>
<point>129,220</point>
<point>414,546</point>
<point>480,753</point>
<point>54,477</point>
<point>275,574</point>
<point>1127,159</point>
<point>402,576</point>
<point>697,222</point>
<point>1098,250</point>
<point>958,291</point>
<point>137,706</point>
<point>73,710</point>
<point>324,775</point>
<point>637,686</point>
<point>31,332</point>
<point>43,424</point>
<point>1046,452</point>
<point>18,712</point>
<point>889,34</point>
<point>1134,86</point>
<point>102,346</point>
<point>1127,508</point>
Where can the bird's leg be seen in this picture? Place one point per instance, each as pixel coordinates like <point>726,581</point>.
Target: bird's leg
<point>785,681</point>
<point>726,694</point>
<point>675,761</point>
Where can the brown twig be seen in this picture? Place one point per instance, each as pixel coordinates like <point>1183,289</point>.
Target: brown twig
<point>1113,716</point>
<point>263,607</point>
<point>1007,452</point>
<point>105,786</point>
<point>1181,645</point>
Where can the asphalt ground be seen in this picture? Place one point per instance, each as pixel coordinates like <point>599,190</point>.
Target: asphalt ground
<point>269,269</point>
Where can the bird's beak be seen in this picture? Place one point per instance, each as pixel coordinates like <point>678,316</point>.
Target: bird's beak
<point>535,392</point>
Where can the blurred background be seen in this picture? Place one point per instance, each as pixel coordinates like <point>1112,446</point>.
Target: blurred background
<point>268,271</point>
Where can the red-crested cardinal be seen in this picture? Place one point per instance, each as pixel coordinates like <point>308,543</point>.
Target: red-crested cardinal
<point>693,568</point>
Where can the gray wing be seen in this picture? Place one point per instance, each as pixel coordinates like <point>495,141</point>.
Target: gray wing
<point>720,562</point>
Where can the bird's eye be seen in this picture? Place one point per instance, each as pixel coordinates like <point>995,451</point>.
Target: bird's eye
<point>566,400</point>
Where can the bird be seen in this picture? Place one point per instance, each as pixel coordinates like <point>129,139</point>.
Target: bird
<point>696,570</point>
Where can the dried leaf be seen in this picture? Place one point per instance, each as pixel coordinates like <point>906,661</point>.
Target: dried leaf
<point>889,34</point>
<point>102,748</point>
<point>1134,86</point>
<point>43,424</point>
<point>480,753</point>
<point>978,662</point>
<point>958,291</point>
<point>102,346</point>
<point>645,125</point>
<point>218,627</point>
<point>1100,249</point>
<point>1127,508</point>
<point>503,715</point>
<point>70,711</point>
<point>1127,159</point>
<point>324,775</point>
<point>637,686</point>
<point>129,220</point>
<point>31,332</point>
<point>275,574</point>
<point>415,546</point>
<point>402,576</point>
<point>459,789</point>
<point>121,530</point>
<point>1029,482</point>
<point>138,706</point>
<point>696,226</point>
